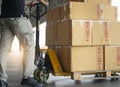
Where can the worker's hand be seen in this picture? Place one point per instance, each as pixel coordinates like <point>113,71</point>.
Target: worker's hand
<point>46,2</point>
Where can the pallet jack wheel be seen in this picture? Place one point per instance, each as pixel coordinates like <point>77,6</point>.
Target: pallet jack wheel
<point>114,78</point>
<point>41,75</point>
<point>36,74</point>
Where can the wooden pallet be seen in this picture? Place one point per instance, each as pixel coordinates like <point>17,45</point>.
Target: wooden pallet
<point>94,75</point>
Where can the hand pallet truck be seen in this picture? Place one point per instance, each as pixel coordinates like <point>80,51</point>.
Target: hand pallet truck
<point>48,63</point>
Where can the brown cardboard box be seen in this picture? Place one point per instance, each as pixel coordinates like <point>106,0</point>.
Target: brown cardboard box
<point>76,0</point>
<point>60,34</point>
<point>82,58</point>
<point>56,13</point>
<point>53,15</point>
<point>108,12</point>
<point>72,10</point>
<point>51,34</point>
<point>83,33</point>
<point>114,33</point>
<point>112,57</point>
<point>94,1</point>
<point>59,53</point>
<point>78,10</point>
<point>99,1</point>
<point>100,32</point>
<point>88,11</point>
<point>74,33</point>
<point>92,11</point>
<point>49,17</point>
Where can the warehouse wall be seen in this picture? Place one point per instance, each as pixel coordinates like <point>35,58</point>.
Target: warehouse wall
<point>117,3</point>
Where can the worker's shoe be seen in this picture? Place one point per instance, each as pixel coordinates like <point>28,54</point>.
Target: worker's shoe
<point>3,83</point>
<point>30,82</point>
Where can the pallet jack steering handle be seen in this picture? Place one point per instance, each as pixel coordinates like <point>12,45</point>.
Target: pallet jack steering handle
<point>41,10</point>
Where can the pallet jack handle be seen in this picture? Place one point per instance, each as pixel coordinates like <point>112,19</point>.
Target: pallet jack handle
<point>41,10</point>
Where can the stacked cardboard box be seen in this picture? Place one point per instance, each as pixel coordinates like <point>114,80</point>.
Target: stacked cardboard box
<point>112,52</point>
<point>80,58</point>
<point>94,1</point>
<point>112,58</point>
<point>53,17</point>
<point>88,11</point>
<point>82,32</point>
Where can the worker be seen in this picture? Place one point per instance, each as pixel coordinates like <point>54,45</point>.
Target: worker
<point>13,21</point>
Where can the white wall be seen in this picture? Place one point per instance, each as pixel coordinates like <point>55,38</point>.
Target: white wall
<point>42,33</point>
<point>117,3</point>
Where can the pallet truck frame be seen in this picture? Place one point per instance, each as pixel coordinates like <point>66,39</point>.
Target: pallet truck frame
<point>42,72</point>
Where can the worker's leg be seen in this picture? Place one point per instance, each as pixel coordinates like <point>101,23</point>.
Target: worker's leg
<point>6,38</point>
<point>23,30</point>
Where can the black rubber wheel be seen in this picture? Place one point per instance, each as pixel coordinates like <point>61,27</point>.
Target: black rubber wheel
<point>41,75</point>
<point>98,75</point>
<point>36,74</point>
<point>114,78</point>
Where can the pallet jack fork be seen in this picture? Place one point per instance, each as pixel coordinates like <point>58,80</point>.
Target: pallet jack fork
<point>44,67</point>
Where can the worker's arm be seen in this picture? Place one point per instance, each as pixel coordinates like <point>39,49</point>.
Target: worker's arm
<point>46,2</point>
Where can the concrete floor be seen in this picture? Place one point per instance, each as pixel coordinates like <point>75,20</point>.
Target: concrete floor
<point>14,71</point>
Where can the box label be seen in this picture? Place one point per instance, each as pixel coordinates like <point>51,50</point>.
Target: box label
<point>99,57</point>
<point>105,25</point>
<point>87,31</point>
<point>116,13</point>
<point>118,56</point>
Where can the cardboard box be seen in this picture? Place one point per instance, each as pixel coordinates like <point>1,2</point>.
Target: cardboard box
<point>83,33</point>
<point>56,13</point>
<point>82,58</point>
<point>78,10</point>
<point>112,57</point>
<point>92,11</point>
<point>70,11</point>
<point>59,53</point>
<point>51,34</point>
<point>53,15</point>
<point>88,11</point>
<point>108,12</point>
<point>114,33</point>
<point>74,33</point>
<point>99,1</point>
<point>75,0</point>
<point>100,32</point>
<point>49,17</point>
<point>94,1</point>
